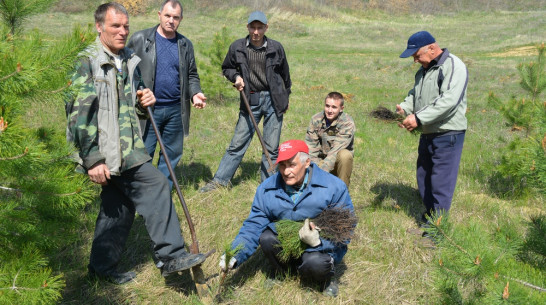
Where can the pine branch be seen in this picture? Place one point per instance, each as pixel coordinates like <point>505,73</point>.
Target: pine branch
<point>16,157</point>
<point>451,241</point>
<point>525,283</point>
<point>59,90</point>
<point>11,74</point>
<point>20,191</point>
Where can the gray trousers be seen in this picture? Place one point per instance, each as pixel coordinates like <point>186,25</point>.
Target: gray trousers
<point>143,189</point>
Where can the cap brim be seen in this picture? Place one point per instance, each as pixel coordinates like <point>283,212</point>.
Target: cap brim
<point>260,21</point>
<point>408,52</point>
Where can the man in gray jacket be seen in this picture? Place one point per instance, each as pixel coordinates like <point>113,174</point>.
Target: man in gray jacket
<point>168,68</point>
<point>436,105</point>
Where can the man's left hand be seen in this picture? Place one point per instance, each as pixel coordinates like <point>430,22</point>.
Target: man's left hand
<point>146,98</point>
<point>309,234</point>
<point>199,100</point>
<point>410,122</point>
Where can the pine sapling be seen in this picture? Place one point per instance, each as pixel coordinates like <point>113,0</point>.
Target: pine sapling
<point>229,253</point>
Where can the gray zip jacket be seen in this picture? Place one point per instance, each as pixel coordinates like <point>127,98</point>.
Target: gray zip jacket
<point>438,98</point>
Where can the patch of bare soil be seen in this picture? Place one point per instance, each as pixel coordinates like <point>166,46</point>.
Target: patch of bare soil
<point>520,51</point>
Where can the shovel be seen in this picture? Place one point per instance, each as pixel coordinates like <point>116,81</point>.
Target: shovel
<point>198,275</point>
<point>247,105</point>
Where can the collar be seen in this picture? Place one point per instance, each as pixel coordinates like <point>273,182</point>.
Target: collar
<point>439,60</point>
<point>327,123</point>
<point>291,190</point>
<point>248,44</point>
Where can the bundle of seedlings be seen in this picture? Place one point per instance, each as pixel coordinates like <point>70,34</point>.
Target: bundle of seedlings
<point>385,114</point>
<point>336,224</point>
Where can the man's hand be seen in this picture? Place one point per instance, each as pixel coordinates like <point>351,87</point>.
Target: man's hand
<point>199,100</point>
<point>309,233</point>
<point>145,97</point>
<point>410,123</point>
<point>99,174</point>
<point>400,111</point>
<point>239,83</point>
<point>222,263</point>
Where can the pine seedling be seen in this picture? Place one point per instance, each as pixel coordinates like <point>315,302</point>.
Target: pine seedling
<point>229,253</point>
<point>291,245</point>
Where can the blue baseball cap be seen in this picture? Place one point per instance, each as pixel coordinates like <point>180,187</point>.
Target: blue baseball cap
<point>417,41</point>
<point>257,16</point>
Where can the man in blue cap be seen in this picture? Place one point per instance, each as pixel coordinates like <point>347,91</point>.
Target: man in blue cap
<point>436,105</point>
<point>257,67</point>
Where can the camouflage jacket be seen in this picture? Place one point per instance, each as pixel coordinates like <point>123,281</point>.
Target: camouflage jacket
<point>325,142</point>
<point>103,115</point>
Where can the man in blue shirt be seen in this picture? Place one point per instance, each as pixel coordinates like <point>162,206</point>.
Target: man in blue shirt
<point>169,69</point>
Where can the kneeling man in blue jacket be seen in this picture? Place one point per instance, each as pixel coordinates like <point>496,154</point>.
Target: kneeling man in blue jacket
<point>298,191</point>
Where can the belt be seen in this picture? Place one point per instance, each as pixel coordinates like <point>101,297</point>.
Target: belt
<point>442,134</point>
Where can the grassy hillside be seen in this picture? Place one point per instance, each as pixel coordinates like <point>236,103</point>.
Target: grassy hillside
<point>355,53</point>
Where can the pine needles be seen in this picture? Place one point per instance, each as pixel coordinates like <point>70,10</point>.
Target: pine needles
<point>292,246</point>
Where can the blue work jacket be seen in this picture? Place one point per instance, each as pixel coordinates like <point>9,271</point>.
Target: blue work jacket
<point>272,203</point>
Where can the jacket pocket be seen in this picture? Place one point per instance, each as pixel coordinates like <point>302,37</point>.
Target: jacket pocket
<point>101,87</point>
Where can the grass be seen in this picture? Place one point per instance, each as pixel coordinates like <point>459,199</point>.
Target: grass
<point>356,54</point>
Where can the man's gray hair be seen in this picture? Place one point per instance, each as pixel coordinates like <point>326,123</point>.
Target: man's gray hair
<point>303,157</point>
<point>174,3</point>
<point>100,13</point>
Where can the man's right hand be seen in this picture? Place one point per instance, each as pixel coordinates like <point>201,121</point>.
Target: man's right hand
<point>222,263</point>
<point>239,83</point>
<point>99,174</point>
<point>400,111</point>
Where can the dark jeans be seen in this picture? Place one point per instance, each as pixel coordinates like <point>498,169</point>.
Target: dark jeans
<point>244,131</point>
<point>145,190</point>
<point>437,169</point>
<point>169,122</point>
<point>315,266</point>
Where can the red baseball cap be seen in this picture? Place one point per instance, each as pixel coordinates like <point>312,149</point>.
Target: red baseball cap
<point>290,148</point>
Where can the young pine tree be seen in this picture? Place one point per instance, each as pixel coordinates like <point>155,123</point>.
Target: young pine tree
<point>525,157</point>
<point>474,265</point>
<point>40,195</point>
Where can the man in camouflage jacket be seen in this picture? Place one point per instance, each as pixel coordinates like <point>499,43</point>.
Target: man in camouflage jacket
<point>330,138</point>
<point>103,123</point>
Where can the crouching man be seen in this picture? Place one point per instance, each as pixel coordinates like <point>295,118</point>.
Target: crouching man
<point>330,137</point>
<point>298,191</point>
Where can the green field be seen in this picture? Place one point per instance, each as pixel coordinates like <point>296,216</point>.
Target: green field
<point>355,53</point>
